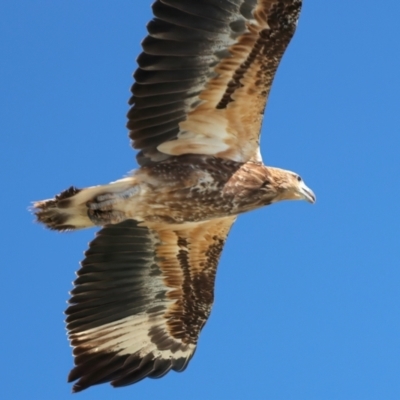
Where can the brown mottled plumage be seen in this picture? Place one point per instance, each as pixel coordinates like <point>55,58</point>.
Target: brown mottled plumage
<point>146,286</point>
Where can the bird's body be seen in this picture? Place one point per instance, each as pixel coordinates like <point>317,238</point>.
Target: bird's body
<point>182,189</point>
<point>146,286</point>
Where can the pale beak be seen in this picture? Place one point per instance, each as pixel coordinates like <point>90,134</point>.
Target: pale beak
<point>306,193</point>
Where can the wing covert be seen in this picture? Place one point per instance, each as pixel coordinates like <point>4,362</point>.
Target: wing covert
<point>204,76</point>
<point>140,300</point>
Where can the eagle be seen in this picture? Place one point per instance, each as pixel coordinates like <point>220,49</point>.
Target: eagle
<point>145,288</point>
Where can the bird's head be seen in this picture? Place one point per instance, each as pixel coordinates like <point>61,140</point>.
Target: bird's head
<point>288,185</point>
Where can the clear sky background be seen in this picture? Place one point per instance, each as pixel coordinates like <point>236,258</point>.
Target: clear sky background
<point>307,297</point>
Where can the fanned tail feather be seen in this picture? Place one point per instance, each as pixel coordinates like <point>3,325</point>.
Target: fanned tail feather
<point>74,208</point>
<point>62,213</point>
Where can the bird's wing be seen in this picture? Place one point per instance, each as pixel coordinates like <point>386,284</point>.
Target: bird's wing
<point>141,298</point>
<point>204,76</point>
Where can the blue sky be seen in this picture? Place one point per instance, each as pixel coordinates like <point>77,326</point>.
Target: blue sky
<point>307,297</point>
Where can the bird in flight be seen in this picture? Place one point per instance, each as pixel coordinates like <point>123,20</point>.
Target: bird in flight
<point>146,285</point>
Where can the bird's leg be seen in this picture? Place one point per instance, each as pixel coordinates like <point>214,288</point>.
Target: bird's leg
<point>103,209</point>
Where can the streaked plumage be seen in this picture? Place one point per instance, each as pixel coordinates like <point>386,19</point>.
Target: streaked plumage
<point>146,286</point>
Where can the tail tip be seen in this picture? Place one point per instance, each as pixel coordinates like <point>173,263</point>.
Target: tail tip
<point>49,212</point>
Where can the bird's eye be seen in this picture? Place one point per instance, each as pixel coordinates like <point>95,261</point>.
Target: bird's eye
<point>299,178</point>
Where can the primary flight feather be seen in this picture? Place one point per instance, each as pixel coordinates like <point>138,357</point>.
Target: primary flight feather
<point>146,286</point>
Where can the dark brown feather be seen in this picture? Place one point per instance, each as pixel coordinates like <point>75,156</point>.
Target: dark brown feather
<point>203,56</point>
<point>166,275</point>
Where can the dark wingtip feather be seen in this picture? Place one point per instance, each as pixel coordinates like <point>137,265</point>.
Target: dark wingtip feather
<point>118,370</point>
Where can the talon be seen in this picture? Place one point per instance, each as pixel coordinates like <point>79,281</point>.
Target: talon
<point>106,201</point>
<point>101,217</point>
<point>106,196</point>
<point>94,205</point>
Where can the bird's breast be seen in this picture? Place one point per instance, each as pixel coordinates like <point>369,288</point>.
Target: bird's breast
<point>198,188</point>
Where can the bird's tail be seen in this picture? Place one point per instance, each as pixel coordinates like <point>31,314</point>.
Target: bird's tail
<point>83,208</point>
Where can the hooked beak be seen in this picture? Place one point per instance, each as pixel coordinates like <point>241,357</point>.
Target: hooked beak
<point>306,193</point>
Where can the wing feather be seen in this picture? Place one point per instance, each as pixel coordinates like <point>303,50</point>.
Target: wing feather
<point>205,74</point>
<point>141,298</point>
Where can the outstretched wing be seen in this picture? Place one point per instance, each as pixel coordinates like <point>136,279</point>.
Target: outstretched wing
<point>141,298</point>
<point>205,74</point>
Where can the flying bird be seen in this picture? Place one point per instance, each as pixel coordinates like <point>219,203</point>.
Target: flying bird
<point>145,288</point>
